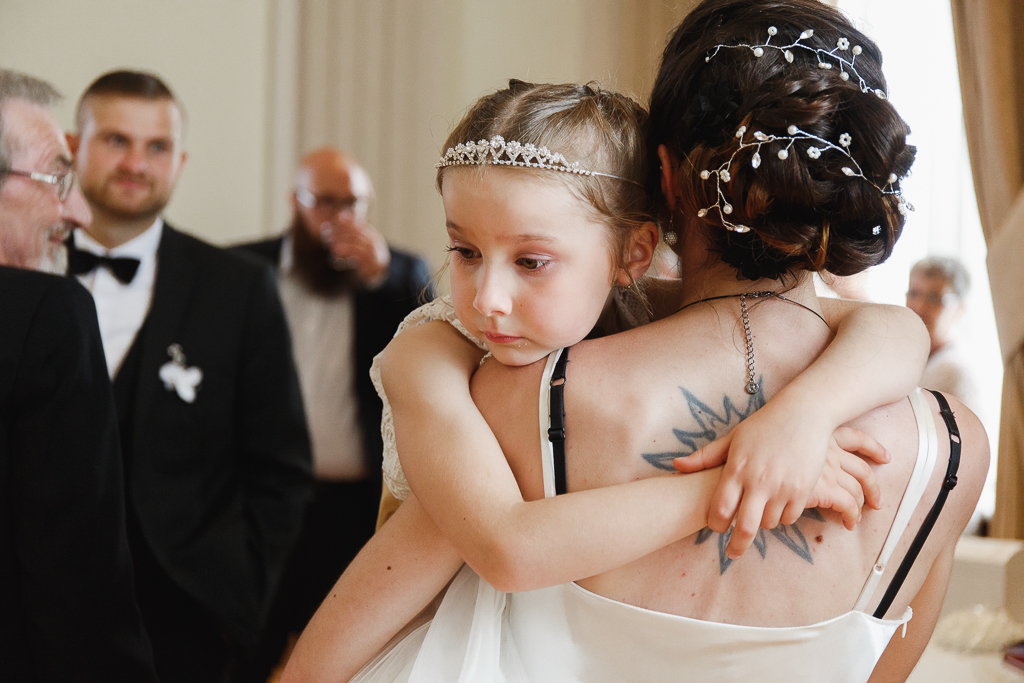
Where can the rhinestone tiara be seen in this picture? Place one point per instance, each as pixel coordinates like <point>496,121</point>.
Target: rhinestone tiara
<point>498,152</point>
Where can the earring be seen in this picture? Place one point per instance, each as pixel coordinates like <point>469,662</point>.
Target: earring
<point>670,235</point>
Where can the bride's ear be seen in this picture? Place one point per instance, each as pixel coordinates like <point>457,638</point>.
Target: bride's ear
<point>639,254</point>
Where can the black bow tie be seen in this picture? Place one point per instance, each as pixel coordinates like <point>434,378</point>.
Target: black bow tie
<point>81,262</point>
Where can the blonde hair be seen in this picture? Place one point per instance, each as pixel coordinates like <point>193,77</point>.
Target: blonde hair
<point>602,130</point>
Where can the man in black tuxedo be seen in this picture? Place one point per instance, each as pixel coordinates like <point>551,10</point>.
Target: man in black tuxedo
<point>345,291</point>
<point>216,451</point>
<point>67,607</point>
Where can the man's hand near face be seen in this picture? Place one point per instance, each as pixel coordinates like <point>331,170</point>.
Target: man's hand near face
<point>361,247</point>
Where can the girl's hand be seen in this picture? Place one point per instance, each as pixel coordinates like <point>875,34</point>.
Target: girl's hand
<point>848,483</point>
<point>759,489</point>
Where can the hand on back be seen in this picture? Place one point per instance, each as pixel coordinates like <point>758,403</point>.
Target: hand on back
<point>776,468</point>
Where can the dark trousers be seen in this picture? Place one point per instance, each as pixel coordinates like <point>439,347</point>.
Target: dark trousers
<point>189,644</point>
<point>339,520</point>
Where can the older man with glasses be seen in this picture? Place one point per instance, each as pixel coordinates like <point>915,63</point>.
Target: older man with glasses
<point>937,293</point>
<point>67,605</point>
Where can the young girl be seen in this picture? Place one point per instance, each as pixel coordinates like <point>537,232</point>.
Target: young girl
<point>540,234</point>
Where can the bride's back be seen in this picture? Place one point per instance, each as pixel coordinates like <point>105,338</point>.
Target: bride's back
<point>780,156</point>
<point>635,400</point>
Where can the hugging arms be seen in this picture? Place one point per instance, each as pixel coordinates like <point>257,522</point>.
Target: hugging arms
<point>471,508</point>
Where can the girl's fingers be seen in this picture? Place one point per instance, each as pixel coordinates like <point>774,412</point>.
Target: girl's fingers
<point>711,455</point>
<point>748,523</point>
<point>773,513</point>
<point>724,504</point>
<point>865,477</point>
<point>792,513</point>
<point>856,441</point>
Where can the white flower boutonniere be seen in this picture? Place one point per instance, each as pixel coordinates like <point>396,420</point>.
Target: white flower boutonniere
<point>177,376</point>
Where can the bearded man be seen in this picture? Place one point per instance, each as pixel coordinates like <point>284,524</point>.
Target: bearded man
<point>216,451</point>
<point>345,291</point>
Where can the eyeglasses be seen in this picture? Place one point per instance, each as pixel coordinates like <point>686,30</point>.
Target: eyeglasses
<point>63,183</point>
<point>933,298</point>
<point>330,204</point>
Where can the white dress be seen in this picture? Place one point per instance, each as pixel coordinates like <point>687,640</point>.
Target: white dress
<point>566,634</point>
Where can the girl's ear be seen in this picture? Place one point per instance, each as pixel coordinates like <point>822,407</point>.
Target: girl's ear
<point>640,254</point>
<point>668,175</point>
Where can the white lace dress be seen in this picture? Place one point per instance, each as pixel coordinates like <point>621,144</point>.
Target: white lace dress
<point>438,309</point>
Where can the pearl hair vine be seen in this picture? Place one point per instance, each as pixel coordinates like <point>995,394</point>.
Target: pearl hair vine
<point>846,66</point>
<point>814,150</point>
<point>498,152</point>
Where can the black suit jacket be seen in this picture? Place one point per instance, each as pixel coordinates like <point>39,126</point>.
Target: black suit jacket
<point>67,603</point>
<point>378,312</point>
<point>219,485</point>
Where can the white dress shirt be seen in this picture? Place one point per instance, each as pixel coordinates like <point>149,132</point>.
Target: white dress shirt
<point>323,340</point>
<point>121,308</point>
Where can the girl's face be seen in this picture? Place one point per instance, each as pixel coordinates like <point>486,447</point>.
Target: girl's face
<point>530,267</point>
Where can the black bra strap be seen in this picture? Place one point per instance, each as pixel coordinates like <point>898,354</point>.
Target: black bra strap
<point>947,485</point>
<point>556,429</point>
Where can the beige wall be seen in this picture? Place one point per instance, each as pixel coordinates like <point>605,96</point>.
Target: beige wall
<point>266,80</point>
<point>388,80</point>
<point>213,53</point>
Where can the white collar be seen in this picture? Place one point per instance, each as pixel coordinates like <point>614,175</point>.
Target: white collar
<point>143,246</point>
<point>287,258</point>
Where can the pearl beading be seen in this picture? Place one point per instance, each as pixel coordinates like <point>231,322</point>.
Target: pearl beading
<point>846,66</point>
<point>722,173</point>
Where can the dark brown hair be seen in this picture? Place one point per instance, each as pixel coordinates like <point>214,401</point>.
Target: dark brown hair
<point>804,214</point>
<point>126,83</point>
<point>602,130</point>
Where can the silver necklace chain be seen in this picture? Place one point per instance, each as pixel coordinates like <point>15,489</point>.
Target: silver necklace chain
<point>753,386</point>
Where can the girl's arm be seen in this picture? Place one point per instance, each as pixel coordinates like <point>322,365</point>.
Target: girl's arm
<point>462,480</point>
<point>409,561</point>
<point>392,579</point>
<point>877,357</point>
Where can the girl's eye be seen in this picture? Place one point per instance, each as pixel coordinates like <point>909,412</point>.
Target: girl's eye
<point>461,252</point>
<point>532,263</point>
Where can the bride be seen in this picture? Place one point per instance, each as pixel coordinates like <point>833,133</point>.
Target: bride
<point>779,157</point>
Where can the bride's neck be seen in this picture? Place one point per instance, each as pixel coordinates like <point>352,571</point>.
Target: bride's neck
<point>703,275</point>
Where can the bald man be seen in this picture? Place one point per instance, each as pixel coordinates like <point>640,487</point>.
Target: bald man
<point>344,292</point>
<point>216,451</point>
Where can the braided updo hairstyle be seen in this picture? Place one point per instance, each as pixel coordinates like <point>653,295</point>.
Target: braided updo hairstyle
<point>803,213</point>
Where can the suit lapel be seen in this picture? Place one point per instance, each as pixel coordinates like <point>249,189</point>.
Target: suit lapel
<point>176,273</point>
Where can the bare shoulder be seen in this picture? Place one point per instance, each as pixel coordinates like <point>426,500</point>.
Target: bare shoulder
<point>424,340</point>
<point>426,354</point>
<point>895,427</point>
<point>974,452</point>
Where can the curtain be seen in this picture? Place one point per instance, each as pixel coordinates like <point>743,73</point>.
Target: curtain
<point>387,80</point>
<point>991,64</point>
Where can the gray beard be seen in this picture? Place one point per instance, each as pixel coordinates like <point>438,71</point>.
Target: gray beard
<point>54,261</point>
